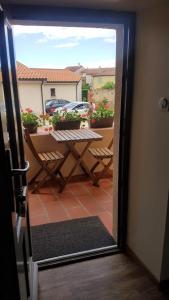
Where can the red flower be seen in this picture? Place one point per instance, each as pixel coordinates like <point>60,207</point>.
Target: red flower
<point>29,110</point>
<point>93,121</point>
<point>84,115</point>
<point>50,128</point>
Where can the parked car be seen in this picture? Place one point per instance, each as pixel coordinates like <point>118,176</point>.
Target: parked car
<point>81,107</point>
<point>53,104</point>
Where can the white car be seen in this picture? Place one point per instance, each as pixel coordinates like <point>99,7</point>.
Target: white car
<point>80,107</point>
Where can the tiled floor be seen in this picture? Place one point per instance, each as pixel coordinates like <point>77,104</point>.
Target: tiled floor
<point>78,200</point>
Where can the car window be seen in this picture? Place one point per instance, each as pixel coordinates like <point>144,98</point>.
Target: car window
<point>85,105</point>
<point>70,105</point>
<point>54,104</point>
<point>80,106</point>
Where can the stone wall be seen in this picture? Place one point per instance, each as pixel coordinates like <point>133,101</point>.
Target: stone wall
<point>100,94</point>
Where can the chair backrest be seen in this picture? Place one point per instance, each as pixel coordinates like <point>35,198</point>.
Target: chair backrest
<point>30,145</point>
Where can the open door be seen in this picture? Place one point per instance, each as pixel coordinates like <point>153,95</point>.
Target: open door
<point>16,265</point>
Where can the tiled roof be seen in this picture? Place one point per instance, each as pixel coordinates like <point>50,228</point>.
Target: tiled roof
<point>50,75</point>
<point>74,68</point>
<point>58,75</point>
<point>25,73</point>
<point>99,71</point>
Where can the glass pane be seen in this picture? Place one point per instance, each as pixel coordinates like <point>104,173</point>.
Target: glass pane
<point>3,110</point>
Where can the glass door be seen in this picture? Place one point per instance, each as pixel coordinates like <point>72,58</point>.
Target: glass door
<point>14,211</point>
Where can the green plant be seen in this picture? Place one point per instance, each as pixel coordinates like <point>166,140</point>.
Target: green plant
<point>109,85</point>
<point>85,89</point>
<point>67,116</point>
<point>30,118</point>
<point>101,111</point>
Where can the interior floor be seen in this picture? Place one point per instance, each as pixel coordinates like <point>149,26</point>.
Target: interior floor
<point>114,277</point>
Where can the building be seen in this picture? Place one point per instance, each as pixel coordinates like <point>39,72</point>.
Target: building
<point>77,69</point>
<point>36,85</point>
<point>98,77</point>
<point>147,188</point>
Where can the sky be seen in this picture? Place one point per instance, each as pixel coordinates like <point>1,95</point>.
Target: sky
<point>59,47</point>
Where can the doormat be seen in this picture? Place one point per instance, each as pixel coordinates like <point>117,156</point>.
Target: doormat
<point>68,237</point>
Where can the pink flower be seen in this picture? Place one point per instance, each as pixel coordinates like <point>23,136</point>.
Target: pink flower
<point>29,110</point>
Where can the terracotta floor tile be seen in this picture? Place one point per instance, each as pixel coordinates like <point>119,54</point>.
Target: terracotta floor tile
<point>47,198</point>
<point>107,205</point>
<point>78,200</point>
<point>71,202</point>
<point>38,220</point>
<point>65,195</point>
<point>78,189</point>
<point>58,215</point>
<point>105,183</point>
<point>78,212</point>
<point>36,207</point>
<point>92,205</point>
<point>106,218</point>
<point>53,206</point>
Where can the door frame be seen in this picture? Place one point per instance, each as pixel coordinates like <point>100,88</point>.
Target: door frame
<point>39,15</point>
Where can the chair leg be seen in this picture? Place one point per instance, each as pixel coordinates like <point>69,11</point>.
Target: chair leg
<point>40,184</point>
<point>106,167</point>
<point>36,176</point>
<point>94,166</point>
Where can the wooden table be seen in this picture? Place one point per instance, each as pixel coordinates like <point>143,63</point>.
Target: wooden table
<point>70,138</point>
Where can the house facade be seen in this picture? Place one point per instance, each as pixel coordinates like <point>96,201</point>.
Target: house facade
<point>98,77</point>
<point>38,85</point>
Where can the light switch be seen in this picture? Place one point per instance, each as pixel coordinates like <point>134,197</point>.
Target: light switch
<point>164,104</point>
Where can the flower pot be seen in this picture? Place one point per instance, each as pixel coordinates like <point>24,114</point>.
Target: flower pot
<point>67,125</point>
<point>101,123</point>
<point>31,128</point>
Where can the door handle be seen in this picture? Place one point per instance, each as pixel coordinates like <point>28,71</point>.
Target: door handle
<point>21,171</point>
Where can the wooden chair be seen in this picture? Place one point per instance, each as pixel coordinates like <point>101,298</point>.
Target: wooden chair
<point>101,154</point>
<point>50,163</point>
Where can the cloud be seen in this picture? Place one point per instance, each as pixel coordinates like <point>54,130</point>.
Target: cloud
<point>110,40</point>
<point>67,45</point>
<point>42,41</point>
<point>93,63</point>
<point>104,63</point>
<point>61,33</point>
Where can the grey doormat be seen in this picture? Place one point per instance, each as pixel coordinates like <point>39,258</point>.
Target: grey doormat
<point>67,237</point>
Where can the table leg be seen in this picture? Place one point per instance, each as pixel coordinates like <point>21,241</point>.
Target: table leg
<point>79,162</point>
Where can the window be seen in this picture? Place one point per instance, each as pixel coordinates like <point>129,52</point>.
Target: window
<point>52,92</point>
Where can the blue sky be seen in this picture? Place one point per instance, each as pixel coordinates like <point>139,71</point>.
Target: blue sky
<point>58,47</point>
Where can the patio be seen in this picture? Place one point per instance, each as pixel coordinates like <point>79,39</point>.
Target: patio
<point>78,200</point>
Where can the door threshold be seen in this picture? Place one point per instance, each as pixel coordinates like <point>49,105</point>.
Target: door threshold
<point>77,257</point>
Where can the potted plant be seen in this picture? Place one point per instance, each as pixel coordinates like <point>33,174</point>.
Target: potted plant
<point>30,120</point>
<point>66,120</point>
<point>102,116</point>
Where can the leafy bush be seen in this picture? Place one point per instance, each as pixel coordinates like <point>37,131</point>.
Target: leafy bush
<point>67,116</point>
<point>102,111</point>
<point>30,118</point>
<point>109,85</point>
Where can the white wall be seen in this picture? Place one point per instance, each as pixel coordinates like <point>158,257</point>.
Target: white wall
<point>30,95</point>
<point>63,91</point>
<point>149,162</point>
<point>79,91</point>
